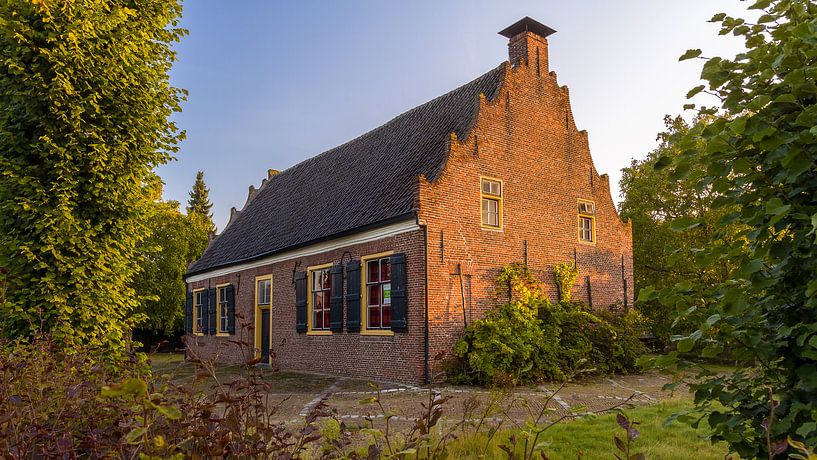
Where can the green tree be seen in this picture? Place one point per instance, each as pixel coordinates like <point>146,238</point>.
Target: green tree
<point>175,241</point>
<point>199,202</point>
<point>656,200</point>
<point>759,153</point>
<point>85,105</point>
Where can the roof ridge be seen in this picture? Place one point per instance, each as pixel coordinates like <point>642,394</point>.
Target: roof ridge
<point>393,119</point>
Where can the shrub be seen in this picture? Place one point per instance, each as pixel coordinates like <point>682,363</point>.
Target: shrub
<point>625,347</point>
<point>607,340</point>
<point>530,339</point>
<point>510,342</point>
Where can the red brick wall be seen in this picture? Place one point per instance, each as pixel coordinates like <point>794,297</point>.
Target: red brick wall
<point>394,358</point>
<point>527,138</point>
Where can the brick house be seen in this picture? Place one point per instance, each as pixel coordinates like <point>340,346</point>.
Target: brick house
<point>368,259</point>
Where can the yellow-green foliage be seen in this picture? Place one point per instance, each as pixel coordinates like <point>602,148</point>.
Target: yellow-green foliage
<point>565,275</point>
<point>521,283</point>
<point>85,105</point>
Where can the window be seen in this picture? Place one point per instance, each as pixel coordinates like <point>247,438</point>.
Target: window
<point>378,293</point>
<point>263,292</point>
<point>491,193</point>
<point>221,293</point>
<point>198,311</point>
<point>587,221</point>
<point>320,285</point>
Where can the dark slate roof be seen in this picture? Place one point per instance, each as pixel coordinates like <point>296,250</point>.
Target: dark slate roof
<point>366,182</point>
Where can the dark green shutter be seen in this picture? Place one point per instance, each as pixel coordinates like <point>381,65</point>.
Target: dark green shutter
<point>353,296</point>
<point>230,309</point>
<point>399,298</point>
<point>188,313</point>
<point>336,298</point>
<point>300,302</point>
<point>213,304</point>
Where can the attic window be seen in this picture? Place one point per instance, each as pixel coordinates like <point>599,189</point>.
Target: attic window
<point>587,221</point>
<point>491,194</point>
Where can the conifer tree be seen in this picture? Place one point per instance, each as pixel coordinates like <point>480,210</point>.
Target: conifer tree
<point>199,202</point>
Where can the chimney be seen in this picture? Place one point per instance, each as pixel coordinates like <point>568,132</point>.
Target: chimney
<point>528,44</point>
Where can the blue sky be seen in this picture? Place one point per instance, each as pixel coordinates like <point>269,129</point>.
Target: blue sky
<point>272,82</point>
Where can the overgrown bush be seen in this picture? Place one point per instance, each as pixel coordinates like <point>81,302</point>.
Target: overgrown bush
<point>59,404</point>
<point>607,341</point>
<point>530,339</point>
<point>509,344</point>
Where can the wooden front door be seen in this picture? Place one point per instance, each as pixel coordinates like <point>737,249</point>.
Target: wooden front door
<point>265,334</point>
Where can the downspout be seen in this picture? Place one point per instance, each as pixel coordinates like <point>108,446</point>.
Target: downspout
<point>426,369</point>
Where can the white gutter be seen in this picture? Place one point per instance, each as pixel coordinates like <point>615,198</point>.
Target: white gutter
<point>374,234</point>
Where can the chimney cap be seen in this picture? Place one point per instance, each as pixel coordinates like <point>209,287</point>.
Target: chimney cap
<point>526,24</point>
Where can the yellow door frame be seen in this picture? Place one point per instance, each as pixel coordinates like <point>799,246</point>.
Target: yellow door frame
<point>258,310</point>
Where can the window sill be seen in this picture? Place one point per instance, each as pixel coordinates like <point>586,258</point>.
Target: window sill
<point>319,333</point>
<point>492,229</point>
<point>376,332</point>
<point>223,334</point>
<point>587,243</point>
<point>199,334</point>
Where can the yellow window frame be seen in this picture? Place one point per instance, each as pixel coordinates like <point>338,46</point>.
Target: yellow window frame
<point>498,198</point>
<point>592,218</point>
<point>309,271</point>
<point>258,308</point>
<point>219,331</point>
<point>364,296</point>
<point>196,316</point>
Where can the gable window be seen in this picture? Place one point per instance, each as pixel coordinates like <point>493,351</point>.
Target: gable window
<point>320,286</point>
<point>491,195</point>
<point>378,293</point>
<point>221,309</point>
<point>198,311</point>
<point>587,221</point>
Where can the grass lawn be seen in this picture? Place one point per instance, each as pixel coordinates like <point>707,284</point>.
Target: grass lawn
<point>592,438</point>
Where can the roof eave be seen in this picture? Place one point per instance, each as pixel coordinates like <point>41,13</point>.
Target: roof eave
<point>405,216</point>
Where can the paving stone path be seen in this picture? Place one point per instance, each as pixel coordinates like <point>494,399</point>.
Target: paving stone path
<point>470,403</point>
